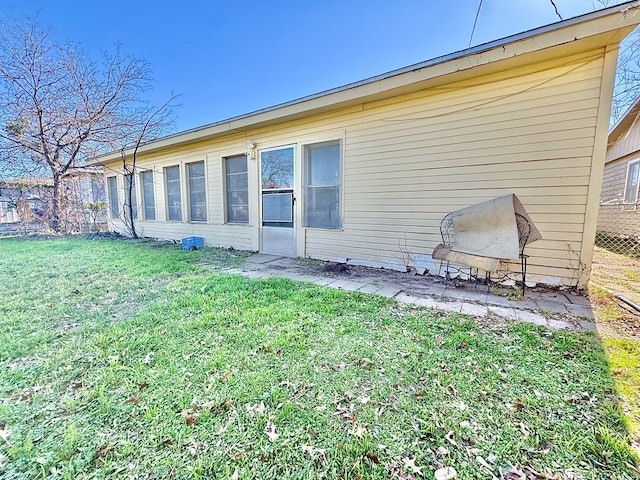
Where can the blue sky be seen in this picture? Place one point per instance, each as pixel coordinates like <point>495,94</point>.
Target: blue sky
<point>226,58</point>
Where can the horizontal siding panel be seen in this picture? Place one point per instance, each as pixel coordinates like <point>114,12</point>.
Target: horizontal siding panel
<point>585,101</point>
<point>485,119</point>
<point>491,163</point>
<point>357,186</point>
<point>432,212</point>
<point>533,142</point>
<point>627,144</point>
<point>498,122</point>
<point>427,242</point>
<point>489,90</point>
<point>471,158</point>
<point>443,196</point>
<point>240,237</point>
<point>472,174</point>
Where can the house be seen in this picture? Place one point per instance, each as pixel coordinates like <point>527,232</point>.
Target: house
<point>84,198</point>
<point>25,201</point>
<point>619,217</point>
<point>364,173</point>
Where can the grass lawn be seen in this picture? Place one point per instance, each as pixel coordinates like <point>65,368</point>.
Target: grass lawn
<point>127,360</point>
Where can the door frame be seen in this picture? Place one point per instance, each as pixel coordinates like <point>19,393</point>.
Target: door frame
<point>293,190</point>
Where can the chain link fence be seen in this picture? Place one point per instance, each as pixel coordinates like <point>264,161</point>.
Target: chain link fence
<point>616,259</point>
<point>619,229</point>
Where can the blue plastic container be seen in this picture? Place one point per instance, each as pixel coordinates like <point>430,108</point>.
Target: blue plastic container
<point>192,243</point>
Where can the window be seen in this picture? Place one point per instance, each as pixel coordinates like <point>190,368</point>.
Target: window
<point>237,184</point>
<point>148,199</point>
<point>631,185</point>
<point>321,185</point>
<point>197,192</point>
<point>130,195</point>
<point>174,201</point>
<point>112,187</point>
<point>97,189</point>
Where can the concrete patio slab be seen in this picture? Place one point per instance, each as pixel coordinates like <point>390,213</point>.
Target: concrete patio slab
<point>503,312</point>
<point>262,258</point>
<point>580,310</point>
<point>474,309</point>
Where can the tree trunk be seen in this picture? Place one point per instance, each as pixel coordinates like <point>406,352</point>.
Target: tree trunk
<point>129,200</point>
<point>56,205</point>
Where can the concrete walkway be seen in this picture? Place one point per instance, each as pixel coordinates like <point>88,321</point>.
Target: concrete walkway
<point>552,309</point>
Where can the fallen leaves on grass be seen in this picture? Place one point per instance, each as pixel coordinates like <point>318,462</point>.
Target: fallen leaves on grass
<point>133,400</point>
<point>193,446</point>
<point>346,414</point>
<point>410,464</point>
<point>527,473</point>
<point>314,452</point>
<point>357,430</point>
<point>484,463</point>
<point>519,404</point>
<point>398,472</point>
<point>5,433</point>
<point>364,362</point>
<point>190,418</point>
<point>102,451</point>
<point>449,438</point>
<point>257,408</point>
<point>442,452</point>
<point>446,473</point>
<point>216,407</point>
<point>372,457</point>
<point>270,431</point>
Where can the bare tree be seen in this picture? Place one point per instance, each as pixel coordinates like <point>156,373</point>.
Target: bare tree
<point>153,126</point>
<point>57,108</point>
<point>627,86</point>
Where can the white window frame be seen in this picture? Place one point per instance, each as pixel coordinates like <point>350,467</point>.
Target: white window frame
<point>226,188</point>
<point>188,181</point>
<point>153,195</point>
<point>626,183</point>
<point>166,193</point>
<point>113,197</point>
<point>306,184</point>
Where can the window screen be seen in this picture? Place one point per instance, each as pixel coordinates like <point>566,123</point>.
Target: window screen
<point>322,181</point>
<point>174,202</point>
<point>237,185</point>
<point>112,187</point>
<point>631,188</point>
<point>148,198</point>
<point>197,192</point>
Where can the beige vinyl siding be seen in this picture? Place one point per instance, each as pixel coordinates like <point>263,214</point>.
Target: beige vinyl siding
<point>410,159</point>
<point>615,176</point>
<point>418,160</point>
<point>627,143</point>
<point>616,218</point>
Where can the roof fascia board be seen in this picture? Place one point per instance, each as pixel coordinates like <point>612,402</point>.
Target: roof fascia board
<point>624,122</point>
